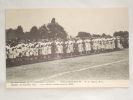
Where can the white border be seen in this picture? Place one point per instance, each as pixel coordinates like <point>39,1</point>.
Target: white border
<point>65,94</point>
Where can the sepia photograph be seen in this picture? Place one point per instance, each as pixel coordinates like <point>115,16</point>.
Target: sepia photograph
<point>67,47</point>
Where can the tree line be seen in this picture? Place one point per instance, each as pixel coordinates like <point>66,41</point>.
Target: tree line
<point>52,31</point>
<point>86,34</point>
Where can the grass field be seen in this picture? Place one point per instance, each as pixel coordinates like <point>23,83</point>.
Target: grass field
<point>106,66</point>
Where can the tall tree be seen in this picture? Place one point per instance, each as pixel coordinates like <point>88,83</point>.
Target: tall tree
<point>19,32</point>
<point>124,35</point>
<point>43,32</point>
<point>103,35</point>
<point>56,30</point>
<point>10,34</point>
<point>34,34</point>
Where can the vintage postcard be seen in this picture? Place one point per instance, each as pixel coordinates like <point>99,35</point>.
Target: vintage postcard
<point>67,47</point>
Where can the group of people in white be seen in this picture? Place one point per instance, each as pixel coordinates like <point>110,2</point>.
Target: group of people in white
<point>45,50</point>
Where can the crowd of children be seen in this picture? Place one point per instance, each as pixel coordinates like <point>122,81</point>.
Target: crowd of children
<point>45,50</point>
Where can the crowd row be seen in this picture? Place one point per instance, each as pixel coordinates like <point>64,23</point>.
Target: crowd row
<point>45,50</point>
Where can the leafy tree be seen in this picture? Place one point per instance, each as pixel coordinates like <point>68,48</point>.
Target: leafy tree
<point>56,30</point>
<point>10,34</point>
<point>103,35</point>
<point>121,34</point>
<point>124,35</point>
<point>34,34</point>
<point>83,34</point>
<point>19,32</point>
<point>26,36</point>
<point>43,32</point>
<point>96,35</point>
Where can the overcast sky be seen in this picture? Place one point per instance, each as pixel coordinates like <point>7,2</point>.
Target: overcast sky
<point>74,20</point>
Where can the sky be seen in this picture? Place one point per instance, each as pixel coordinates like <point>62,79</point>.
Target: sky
<point>74,20</point>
